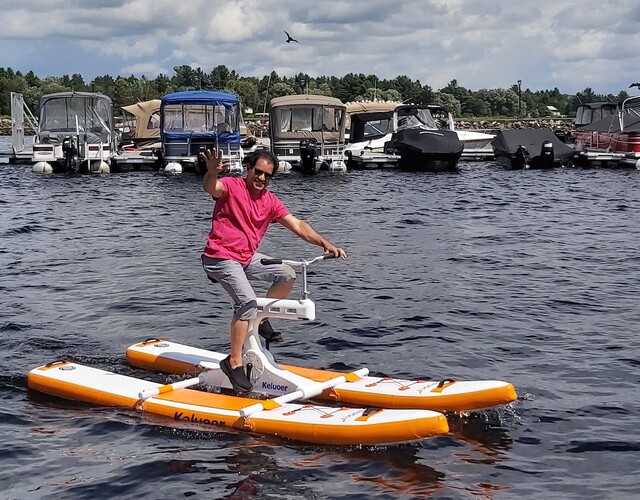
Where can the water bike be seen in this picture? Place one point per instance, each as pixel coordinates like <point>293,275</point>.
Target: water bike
<point>393,411</point>
<point>271,378</point>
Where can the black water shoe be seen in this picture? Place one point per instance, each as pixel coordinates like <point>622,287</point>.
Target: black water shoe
<point>237,376</point>
<point>267,332</point>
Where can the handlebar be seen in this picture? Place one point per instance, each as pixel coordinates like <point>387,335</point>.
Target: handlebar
<point>298,263</point>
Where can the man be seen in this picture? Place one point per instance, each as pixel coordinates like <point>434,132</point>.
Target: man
<point>243,210</point>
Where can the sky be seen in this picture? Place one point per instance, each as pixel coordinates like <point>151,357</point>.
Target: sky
<point>486,44</point>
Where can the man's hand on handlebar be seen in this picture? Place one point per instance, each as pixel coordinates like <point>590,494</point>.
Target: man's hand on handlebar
<point>337,252</point>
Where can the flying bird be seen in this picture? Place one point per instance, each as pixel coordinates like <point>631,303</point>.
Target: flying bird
<point>290,38</point>
<point>635,85</point>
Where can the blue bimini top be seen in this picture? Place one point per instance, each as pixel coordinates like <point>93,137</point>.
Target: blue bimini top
<point>195,120</point>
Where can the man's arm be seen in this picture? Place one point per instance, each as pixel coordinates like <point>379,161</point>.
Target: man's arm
<point>210,183</point>
<point>303,230</point>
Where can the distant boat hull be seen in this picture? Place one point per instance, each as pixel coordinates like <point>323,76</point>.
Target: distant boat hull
<point>616,141</point>
<point>426,150</point>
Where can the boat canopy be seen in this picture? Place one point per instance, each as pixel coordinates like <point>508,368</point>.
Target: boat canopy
<point>594,111</point>
<point>307,116</point>
<point>371,107</point>
<point>86,113</point>
<point>200,114</point>
<point>615,117</point>
<point>368,120</point>
<point>143,119</point>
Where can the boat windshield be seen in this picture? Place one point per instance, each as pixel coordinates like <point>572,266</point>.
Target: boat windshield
<point>589,113</point>
<point>60,115</point>
<point>201,118</point>
<point>377,128</point>
<point>632,106</point>
<point>416,118</point>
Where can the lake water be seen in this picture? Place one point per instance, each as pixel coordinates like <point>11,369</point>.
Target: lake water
<point>527,276</point>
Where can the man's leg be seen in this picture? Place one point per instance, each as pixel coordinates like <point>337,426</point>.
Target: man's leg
<point>280,290</point>
<point>231,276</point>
<point>238,334</point>
<point>282,278</point>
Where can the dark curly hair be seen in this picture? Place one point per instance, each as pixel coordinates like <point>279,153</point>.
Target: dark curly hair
<point>251,159</point>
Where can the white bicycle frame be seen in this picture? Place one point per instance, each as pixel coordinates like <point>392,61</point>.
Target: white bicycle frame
<point>264,373</point>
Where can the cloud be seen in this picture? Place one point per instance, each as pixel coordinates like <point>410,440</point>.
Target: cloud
<point>546,43</point>
<point>234,22</point>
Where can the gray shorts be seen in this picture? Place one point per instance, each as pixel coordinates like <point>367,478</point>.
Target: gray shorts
<point>234,278</point>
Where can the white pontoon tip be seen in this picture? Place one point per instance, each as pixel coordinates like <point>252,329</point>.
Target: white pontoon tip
<point>42,167</point>
<point>284,166</point>
<point>100,168</point>
<point>173,167</point>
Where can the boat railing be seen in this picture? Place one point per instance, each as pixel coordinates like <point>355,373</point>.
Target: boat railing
<point>290,148</point>
<point>630,106</point>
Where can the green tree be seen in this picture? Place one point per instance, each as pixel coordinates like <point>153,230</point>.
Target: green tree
<point>281,89</point>
<point>462,94</point>
<point>51,85</point>
<point>321,89</point>
<point>449,101</point>
<point>425,96</point>
<point>123,93</point>
<point>11,82</point>
<point>264,89</point>
<point>104,84</point>
<point>32,80</point>
<point>221,78</point>
<point>409,90</point>
<point>392,95</point>
<point>349,87</point>
<point>163,85</point>
<point>477,106</point>
<point>247,92</point>
<point>185,78</point>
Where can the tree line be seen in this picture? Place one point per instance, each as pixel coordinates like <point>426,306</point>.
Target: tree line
<point>255,93</point>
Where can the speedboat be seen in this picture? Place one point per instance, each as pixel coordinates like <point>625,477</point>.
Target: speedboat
<point>421,142</point>
<point>370,126</point>
<point>409,136</point>
<point>531,148</point>
<point>476,144</point>
<point>307,132</point>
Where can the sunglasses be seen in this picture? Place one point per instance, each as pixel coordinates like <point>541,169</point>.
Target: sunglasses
<point>257,172</point>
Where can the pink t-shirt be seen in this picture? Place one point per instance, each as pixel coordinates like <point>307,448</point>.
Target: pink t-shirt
<point>240,221</point>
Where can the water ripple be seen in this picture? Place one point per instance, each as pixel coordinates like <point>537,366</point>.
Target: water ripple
<point>529,277</point>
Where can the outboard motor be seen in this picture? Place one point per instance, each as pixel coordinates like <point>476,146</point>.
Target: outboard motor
<point>546,154</point>
<point>201,165</point>
<point>308,153</point>
<point>522,157</point>
<point>70,151</point>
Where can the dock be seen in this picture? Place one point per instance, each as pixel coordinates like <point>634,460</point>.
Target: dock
<point>593,158</point>
<point>23,157</point>
<point>124,160</point>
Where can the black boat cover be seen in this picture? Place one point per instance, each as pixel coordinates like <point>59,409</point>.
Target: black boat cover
<point>427,142</point>
<point>506,143</point>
